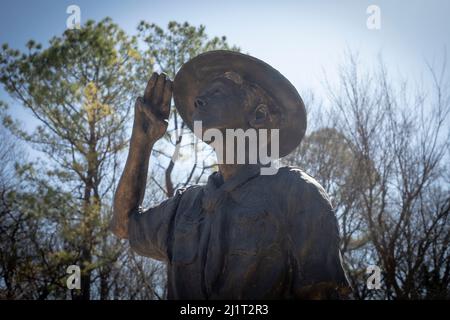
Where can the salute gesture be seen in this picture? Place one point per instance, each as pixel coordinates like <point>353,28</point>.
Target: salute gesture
<point>152,111</point>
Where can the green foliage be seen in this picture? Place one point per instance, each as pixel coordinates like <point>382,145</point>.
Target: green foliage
<point>81,88</point>
<point>171,48</point>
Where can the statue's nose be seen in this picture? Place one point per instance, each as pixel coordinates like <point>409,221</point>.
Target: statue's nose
<point>199,102</point>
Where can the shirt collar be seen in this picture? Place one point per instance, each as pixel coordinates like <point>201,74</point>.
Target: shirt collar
<point>217,189</point>
<point>216,181</point>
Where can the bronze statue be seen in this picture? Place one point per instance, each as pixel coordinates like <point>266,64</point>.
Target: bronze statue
<point>243,235</point>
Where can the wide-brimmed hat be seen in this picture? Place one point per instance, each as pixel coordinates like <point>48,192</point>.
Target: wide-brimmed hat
<point>201,70</point>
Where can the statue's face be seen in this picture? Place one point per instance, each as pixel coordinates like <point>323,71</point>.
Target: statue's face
<point>221,105</point>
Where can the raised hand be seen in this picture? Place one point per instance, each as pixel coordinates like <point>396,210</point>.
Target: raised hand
<point>152,110</point>
<point>150,115</point>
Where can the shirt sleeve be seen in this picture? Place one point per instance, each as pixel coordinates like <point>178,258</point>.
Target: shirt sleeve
<point>314,236</point>
<point>150,230</point>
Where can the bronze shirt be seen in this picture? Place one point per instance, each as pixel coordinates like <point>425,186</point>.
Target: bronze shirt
<point>252,237</point>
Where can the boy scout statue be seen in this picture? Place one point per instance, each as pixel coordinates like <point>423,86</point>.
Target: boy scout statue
<point>243,235</point>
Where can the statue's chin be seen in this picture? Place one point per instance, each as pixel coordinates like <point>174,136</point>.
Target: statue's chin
<point>206,124</point>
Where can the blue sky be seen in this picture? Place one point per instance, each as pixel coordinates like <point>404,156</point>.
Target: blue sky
<point>302,39</point>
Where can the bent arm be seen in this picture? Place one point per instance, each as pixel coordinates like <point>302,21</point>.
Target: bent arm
<point>131,189</point>
<point>148,127</point>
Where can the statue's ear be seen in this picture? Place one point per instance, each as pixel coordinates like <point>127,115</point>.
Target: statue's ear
<point>260,117</point>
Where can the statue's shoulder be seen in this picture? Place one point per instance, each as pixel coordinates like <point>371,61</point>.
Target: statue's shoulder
<point>188,197</point>
<point>189,191</point>
<point>295,175</point>
<point>296,179</point>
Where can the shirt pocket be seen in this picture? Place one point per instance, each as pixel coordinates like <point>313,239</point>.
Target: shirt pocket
<point>253,232</point>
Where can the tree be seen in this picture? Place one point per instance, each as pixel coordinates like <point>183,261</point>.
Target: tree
<point>383,158</point>
<point>80,89</point>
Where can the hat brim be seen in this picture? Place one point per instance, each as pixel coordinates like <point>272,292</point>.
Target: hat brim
<point>202,69</point>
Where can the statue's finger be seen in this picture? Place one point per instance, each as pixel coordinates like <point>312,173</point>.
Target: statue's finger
<point>141,106</point>
<point>150,85</point>
<point>138,105</point>
<point>149,114</point>
<point>158,91</point>
<point>167,97</point>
